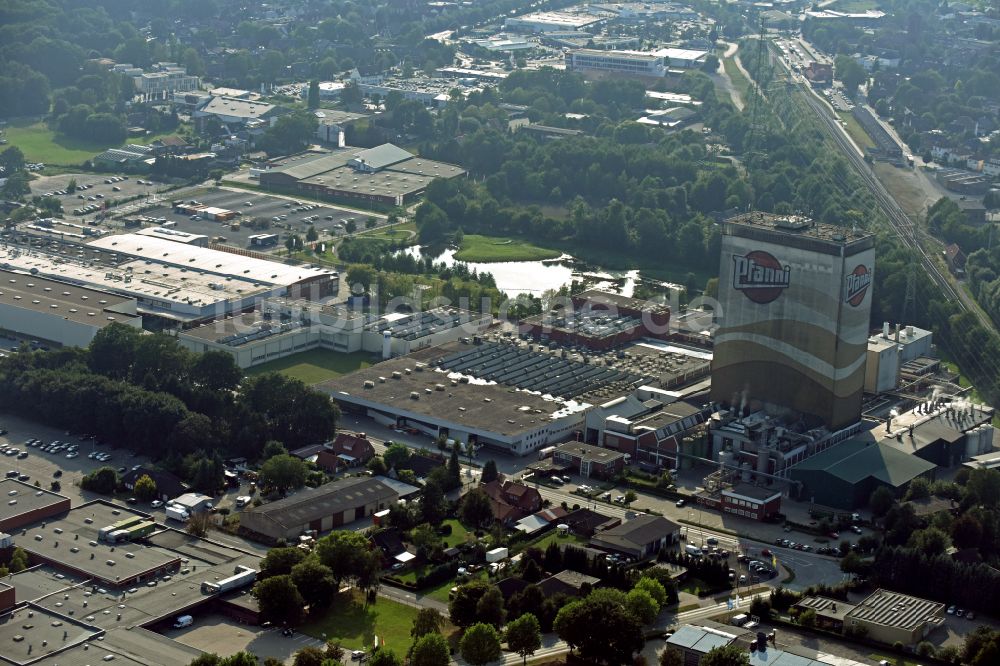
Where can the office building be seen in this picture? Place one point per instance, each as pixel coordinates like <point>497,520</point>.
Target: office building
<point>553,21</point>
<point>35,307</point>
<point>793,329</point>
<point>653,63</point>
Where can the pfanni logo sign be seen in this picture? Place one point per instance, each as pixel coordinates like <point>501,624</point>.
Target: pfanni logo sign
<point>760,276</point>
<point>856,285</point>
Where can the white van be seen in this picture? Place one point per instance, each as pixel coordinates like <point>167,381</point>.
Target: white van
<point>183,621</point>
<point>242,501</point>
<point>693,550</point>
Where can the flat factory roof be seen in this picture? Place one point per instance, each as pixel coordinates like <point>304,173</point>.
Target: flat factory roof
<point>330,498</point>
<point>892,609</point>
<point>31,633</point>
<point>20,498</point>
<point>478,404</point>
<point>413,326</point>
<point>79,304</point>
<point>146,280</point>
<point>72,541</point>
<point>381,183</point>
<point>211,261</point>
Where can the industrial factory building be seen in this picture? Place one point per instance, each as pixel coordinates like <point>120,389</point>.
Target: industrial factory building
<point>281,327</point>
<point>795,297</point>
<point>386,175</point>
<point>945,432</point>
<point>37,308</point>
<point>600,320</point>
<point>553,22</point>
<point>907,351</point>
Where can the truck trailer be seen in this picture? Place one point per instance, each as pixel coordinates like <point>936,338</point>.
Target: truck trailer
<point>177,513</point>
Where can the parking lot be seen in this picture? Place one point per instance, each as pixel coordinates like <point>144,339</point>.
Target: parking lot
<point>92,188</point>
<point>280,215</point>
<point>42,467</point>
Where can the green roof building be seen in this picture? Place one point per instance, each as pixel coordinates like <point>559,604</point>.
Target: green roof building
<point>844,476</point>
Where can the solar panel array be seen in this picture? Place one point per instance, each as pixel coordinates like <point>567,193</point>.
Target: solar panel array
<point>258,333</point>
<point>422,324</point>
<point>513,365</point>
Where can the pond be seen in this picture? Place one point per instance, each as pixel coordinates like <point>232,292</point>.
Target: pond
<point>536,277</point>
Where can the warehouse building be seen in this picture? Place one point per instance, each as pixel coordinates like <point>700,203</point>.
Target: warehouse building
<point>846,475</point>
<point>321,509</point>
<point>279,278</point>
<point>237,114</point>
<point>385,175</point>
<point>25,505</point>
<point>641,537</point>
<point>553,21</point>
<point>38,308</point>
<point>796,301</point>
<point>441,392</point>
<point>281,327</point>
<point>941,431</point>
<point>890,617</point>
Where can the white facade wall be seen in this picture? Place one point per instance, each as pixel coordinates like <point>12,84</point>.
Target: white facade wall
<point>55,327</point>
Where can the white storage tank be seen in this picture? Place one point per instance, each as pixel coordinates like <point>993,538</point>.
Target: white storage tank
<point>986,438</point>
<point>972,442</point>
<point>745,472</point>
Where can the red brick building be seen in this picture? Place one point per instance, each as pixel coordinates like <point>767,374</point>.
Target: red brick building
<point>511,501</point>
<point>745,500</point>
<point>354,446</point>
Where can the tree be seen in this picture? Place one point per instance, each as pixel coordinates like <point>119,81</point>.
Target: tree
<point>849,72</point>
<point>198,524</point>
<point>315,583</point>
<point>620,636</point>
<point>524,636</point>
<point>807,618</point>
<point>432,502</point>
<point>642,605</point>
<point>310,655</point>
<point>347,554</point>
<point>671,657</point>
<point>350,226</point>
<point>426,539</point>
<point>279,600</point>
<point>12,159</point>
<point>630,497</point>
<point>480,644</point>
<point>430,650</point>
<point>145,488</point>
<point>334,650</point>
<point>273,447</point>
<point>377,466</point>
<point>311,234</point>
<point>454,469</point>
<point>427,621</point>
<point>725,655</point>
<point>396,456</point>
<point>313,98</point>
<point>279,561</point>
<point>490,472</point>
<point>18,560</point>
<point>102,480</point>
<point>881,501</point>
<point>462,607</point>
<point>930,541</point>
<point>966,531</point>
<point>385,657</point>
<point>489,608</point>
<point>654,588</point>
<point>919,488</point>
<point>476,509</point>
<point>216,371</point>
<point>283,472</point>
<point>289,134</point>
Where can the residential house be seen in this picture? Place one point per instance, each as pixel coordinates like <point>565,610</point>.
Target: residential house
<point>167,485</point>
<point>569,583</point>
<point>955,258</point>
<point>585,522</point>
<point>353,449</point>
<point>511,501</point>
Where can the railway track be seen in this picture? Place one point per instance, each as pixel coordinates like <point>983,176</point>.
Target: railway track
<point>898,220</point>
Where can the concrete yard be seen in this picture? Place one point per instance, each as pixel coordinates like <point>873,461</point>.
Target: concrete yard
<point>223,635</point>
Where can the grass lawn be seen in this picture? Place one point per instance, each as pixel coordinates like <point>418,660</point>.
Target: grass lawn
<point>41,144</point>
<point>694,585</point>
<point>492,248</point>
<point>314,366</point>
<point>740,82</point>
<point>855,130</point>
<point>356,626</point>
<point>458,533</point>
<point>554,537</point>
<point>396,232</point>
<point>895,661</point>
<point>441,591</point>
